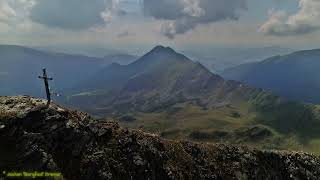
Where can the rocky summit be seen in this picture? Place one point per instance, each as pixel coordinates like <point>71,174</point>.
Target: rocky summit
<point>35,137</point>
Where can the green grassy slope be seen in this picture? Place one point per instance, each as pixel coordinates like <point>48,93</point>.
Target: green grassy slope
<point>166,93</point>
<point>264,121</point>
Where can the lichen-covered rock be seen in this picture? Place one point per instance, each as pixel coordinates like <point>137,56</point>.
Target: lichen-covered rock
<point>40,138</point>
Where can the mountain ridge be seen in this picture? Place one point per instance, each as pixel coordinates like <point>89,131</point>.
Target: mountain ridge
<point>20,66</point>
<point>294,76</point>
<point>38,137</point>
<point>162,69</point>
<point>166,93</point>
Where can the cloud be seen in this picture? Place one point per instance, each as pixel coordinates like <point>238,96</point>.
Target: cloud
<point>113,10</point>
<point>192,8</point>
<point>306,20</point>
<point>13,12</point>
<point>184,15</point>
<point>75,14</point>
<point>5,11</point>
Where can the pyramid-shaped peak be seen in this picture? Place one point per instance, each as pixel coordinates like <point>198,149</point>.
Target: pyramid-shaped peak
<point>163,49</point>
<point>161,54</point>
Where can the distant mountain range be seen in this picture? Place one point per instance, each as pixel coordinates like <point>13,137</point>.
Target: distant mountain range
<point>295,76</point>
<point>120,58</point>
<point>160,77</point>
<point>166,93</point>
<point>20,67</point>
<point>219,59</point>
<point>86,50</point>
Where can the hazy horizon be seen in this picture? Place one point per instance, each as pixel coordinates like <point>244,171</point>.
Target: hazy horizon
<point>137,25</point>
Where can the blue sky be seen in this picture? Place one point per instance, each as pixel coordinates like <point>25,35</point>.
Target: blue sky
<point>124,24</point>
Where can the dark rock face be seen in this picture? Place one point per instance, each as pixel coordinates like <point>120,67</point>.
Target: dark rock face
<point>34,137</point>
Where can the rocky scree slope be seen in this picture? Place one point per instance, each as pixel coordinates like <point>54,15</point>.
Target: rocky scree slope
<point>37,138</point>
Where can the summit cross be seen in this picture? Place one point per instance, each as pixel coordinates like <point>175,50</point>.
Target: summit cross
<point>46,80</point>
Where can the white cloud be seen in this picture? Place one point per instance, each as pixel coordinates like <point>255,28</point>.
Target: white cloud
<point>14,12</point>
<point>71,14</point>
<point>6,12</point>
<point>305,21</point>
<point>192,8</point>
<point>112,10</point>
<point>75,14</point>
<point>184,15</point>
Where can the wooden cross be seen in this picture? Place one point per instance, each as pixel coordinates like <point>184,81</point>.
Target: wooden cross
<point>46,83</point>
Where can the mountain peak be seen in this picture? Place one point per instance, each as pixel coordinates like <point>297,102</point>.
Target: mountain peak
<point>161,54</point>
<point>163,49</point>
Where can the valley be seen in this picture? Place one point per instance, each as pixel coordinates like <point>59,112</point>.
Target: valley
<point>166,93</point>
<point>160,89</point>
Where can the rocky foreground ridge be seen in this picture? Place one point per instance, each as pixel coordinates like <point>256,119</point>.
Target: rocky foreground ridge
<point>38,138</point>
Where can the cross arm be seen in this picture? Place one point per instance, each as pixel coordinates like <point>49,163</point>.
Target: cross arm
<point>41,77</point>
